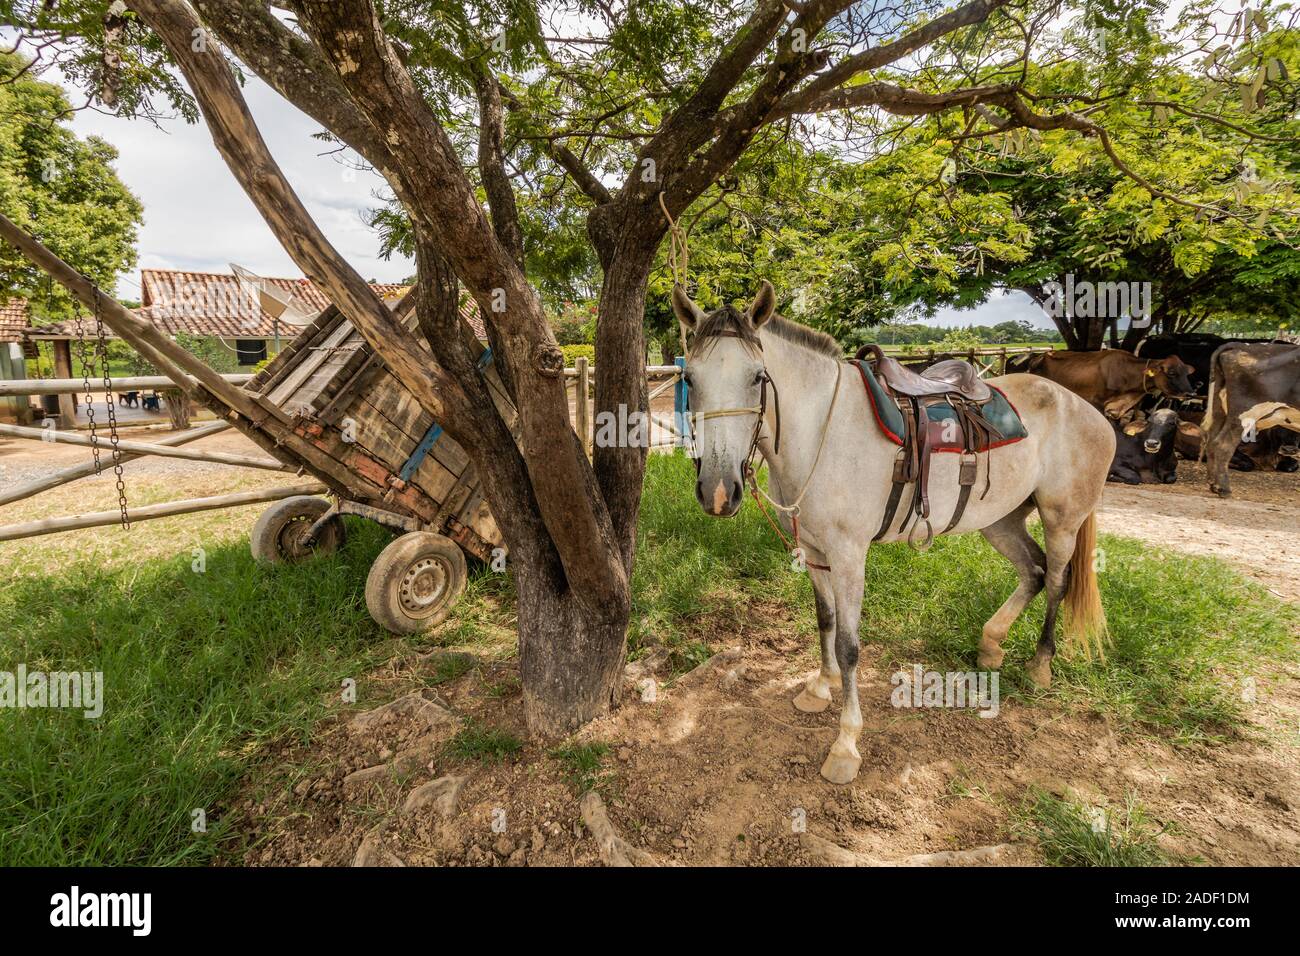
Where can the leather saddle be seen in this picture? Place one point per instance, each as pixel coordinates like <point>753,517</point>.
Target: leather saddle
<point>952,383</point>
<point>949,377</point>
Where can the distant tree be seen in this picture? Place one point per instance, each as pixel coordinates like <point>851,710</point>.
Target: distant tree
<point>1008,208</point>
<point>62,189</point>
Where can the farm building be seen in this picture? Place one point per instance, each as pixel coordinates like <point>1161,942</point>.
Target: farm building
<point>217,307</point>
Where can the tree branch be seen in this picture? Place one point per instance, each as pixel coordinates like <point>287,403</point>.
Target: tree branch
<point>971,13</point>
<point>492,164</point>
<point>575,167</point>
<point>442,202</point>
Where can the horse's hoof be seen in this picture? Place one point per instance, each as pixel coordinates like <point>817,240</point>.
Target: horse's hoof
<point>991,660</point>
<point>839,768</point>
<point>811,703</point>
<point>1040,673</point>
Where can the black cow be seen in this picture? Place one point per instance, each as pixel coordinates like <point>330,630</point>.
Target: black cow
<point>1144,450</point>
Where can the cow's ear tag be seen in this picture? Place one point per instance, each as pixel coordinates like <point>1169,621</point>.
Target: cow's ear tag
<point>1134,428</point>
<point>1151,372</point>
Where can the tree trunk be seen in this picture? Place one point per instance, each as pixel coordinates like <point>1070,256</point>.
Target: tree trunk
<point>179,408</point>
<point>570,664</point>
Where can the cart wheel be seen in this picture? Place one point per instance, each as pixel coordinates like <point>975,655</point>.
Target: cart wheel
<point>415,581</point>
<point>279,537</point>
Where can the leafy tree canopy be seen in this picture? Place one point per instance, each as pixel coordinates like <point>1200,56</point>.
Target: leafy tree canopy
<point>61,188</point>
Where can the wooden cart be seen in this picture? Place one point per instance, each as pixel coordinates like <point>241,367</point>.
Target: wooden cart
<point>327,406</point>
<point>399,468</point>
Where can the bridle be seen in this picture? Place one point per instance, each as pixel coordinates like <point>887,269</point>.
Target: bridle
<point>759,410</point>
<point>748,471</point>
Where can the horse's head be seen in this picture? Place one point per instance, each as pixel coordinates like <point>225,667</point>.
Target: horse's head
<point>726,376</point>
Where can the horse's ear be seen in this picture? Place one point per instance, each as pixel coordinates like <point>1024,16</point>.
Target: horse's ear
<point>688,313</point>
<point>764,305</point>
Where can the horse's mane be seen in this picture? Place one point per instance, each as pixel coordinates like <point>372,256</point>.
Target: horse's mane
<point>730,321</point>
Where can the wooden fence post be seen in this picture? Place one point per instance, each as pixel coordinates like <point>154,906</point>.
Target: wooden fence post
<point>63,369</point>
<point>679,401</point>
<point>583,416</point>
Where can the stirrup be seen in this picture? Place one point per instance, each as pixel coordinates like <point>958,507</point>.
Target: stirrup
<point>924,546</point>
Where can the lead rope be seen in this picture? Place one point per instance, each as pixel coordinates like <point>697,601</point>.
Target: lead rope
<point>679,257</point>
<point>792,509</point>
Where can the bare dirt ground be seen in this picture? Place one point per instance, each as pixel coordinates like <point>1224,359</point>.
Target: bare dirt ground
<point>1257,530</point>
<point>719,768</point>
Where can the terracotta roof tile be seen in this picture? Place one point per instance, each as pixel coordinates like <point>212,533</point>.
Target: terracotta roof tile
<point>13,320</point>
<point>210,303</point>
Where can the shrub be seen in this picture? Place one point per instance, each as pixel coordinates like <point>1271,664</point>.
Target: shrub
<point>571,353</point>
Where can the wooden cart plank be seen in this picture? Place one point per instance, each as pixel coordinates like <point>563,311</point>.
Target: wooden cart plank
<point>310,361</point>
<point>351,351</point>
<point>387,397</point>
<point>476,515</point>
<point>282,363</point>
<point>376,435</point>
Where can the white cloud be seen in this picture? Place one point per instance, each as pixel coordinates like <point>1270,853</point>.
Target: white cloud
<point>197,217</point>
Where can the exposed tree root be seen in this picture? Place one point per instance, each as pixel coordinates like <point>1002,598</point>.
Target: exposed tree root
<point>825,853</point>
<point>411,705</point>
<point>714,665</point>
<point>441,794</point>
<point>613,849</point>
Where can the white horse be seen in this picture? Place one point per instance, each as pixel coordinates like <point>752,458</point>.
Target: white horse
<point>835,459</point>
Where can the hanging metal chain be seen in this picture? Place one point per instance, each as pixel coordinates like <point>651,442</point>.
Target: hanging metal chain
<point>112,410</point>
<point>83,349</point>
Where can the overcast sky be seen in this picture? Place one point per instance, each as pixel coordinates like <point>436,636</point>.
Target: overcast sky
<point>198,218</point>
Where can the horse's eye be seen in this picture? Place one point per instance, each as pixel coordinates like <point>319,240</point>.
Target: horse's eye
<point>758,379</point>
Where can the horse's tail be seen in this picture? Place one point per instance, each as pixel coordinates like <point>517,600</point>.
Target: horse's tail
<point>1085,625</point>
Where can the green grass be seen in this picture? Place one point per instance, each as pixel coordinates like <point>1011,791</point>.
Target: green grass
<point>448,667</point>
<point>584,766</point>
<point>477,741</point>
<point>1072,834</point>
<point>203,671</point>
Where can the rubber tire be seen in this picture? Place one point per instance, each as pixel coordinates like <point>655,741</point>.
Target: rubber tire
<point>272,540</point>
<point>390,576</point>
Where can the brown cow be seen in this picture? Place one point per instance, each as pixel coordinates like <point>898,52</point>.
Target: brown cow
<point>1275,448</point>
<point>1113,381</point>
<point>1252,388</point>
